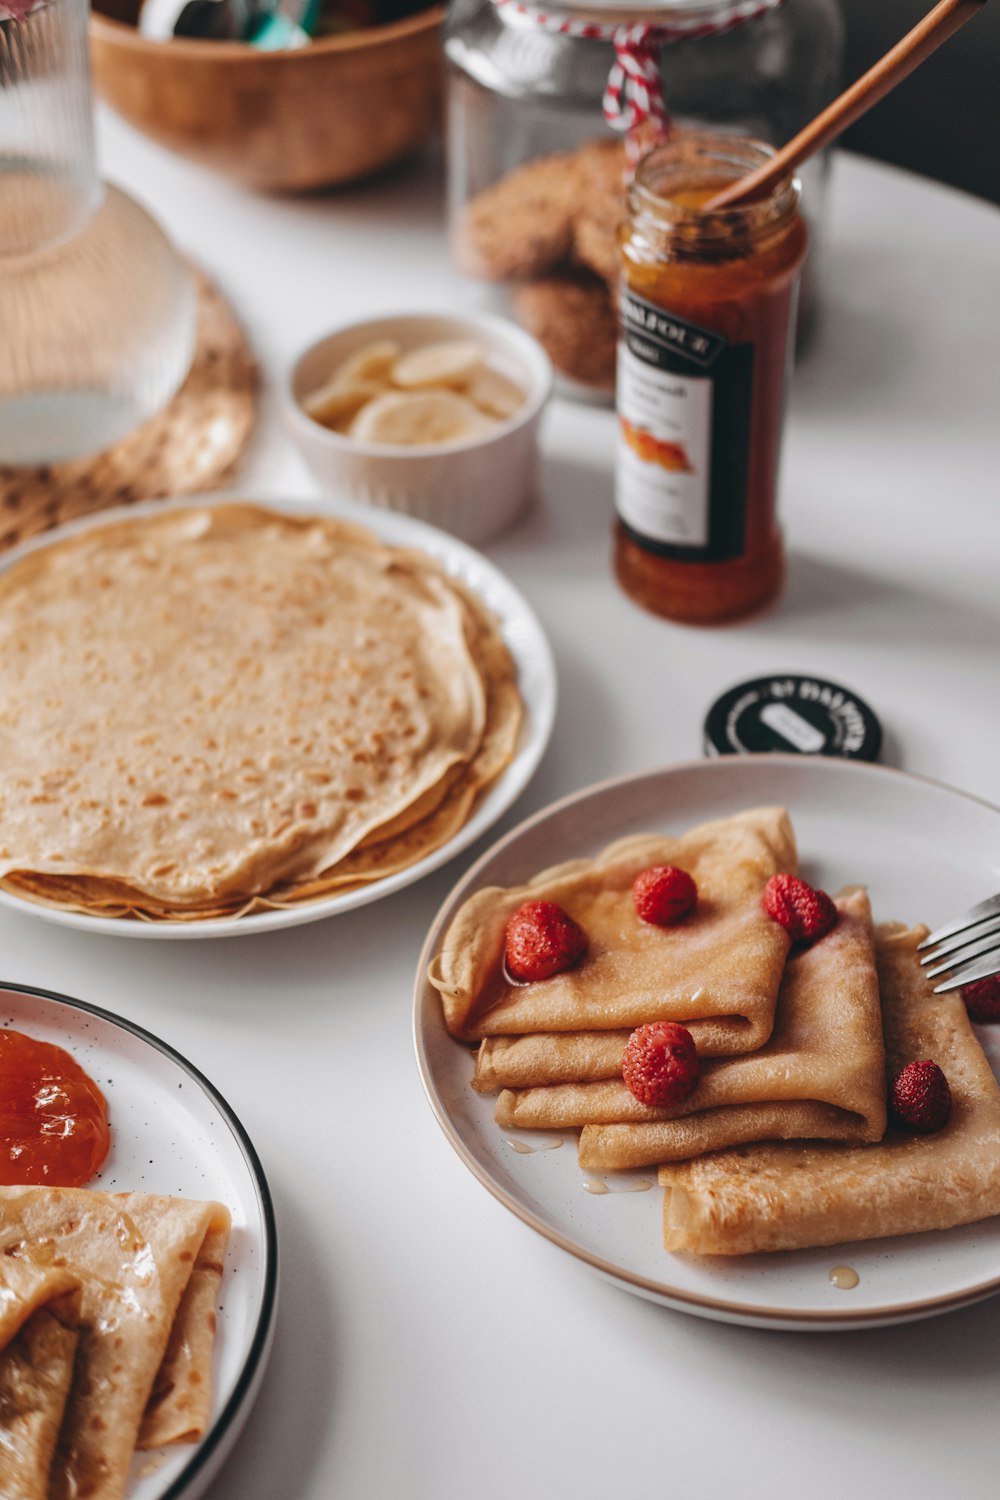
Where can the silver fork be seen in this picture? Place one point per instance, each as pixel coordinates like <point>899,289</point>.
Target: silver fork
<point>969,946</point>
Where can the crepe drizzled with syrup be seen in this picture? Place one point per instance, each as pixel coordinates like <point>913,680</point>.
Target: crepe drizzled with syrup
<point>792,1197</point>
<point>39,1334</point>
<point>718,971</point>
<point>821,1074</point>
<point>207,710</point>
<point>783,1146</point>
<point>107,1320</point>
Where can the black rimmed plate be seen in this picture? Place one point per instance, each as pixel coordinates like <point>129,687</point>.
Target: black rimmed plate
<point>173,1133</point>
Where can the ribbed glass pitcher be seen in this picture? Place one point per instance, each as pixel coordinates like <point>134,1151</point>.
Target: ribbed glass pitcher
<point>97,311</point>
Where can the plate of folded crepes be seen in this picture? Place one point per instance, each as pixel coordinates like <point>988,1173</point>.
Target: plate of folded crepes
<point>136,1311</point>
<point>224,717</point>
<point>784,1189</point>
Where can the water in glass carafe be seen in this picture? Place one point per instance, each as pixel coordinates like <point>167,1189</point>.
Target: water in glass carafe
<point>97,311</point>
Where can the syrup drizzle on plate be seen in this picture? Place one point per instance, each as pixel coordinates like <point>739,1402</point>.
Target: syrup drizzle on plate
<point>597,1185</point>
<point>524,1149</point>
<point>844,1277</point>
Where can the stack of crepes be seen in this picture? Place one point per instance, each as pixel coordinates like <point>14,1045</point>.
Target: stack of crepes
<point>107,1323</point>
<point>211,710</point>
<point>790,1041</point>
<point>799,1194</point>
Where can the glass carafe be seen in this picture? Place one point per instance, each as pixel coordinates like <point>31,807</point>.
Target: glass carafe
<point>97,311</point>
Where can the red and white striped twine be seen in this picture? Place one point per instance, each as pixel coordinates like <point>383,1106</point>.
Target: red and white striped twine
<point>633,99</point>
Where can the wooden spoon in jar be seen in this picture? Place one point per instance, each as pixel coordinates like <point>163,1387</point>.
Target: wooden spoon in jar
<point>936,27</point>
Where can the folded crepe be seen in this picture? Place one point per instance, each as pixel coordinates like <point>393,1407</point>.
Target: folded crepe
<point>143,1269</point>
<point>180,1403</point>
<point>39,1310</point>
<point>543,1058</point>
<point>718,971</point>
<point>821,1075</point>
<point>790,1197</point>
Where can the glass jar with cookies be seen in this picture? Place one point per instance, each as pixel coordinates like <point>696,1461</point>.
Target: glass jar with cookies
<point>548,111</point>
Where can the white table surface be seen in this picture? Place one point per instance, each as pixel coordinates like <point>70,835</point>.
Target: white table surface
<point>429,1345</point>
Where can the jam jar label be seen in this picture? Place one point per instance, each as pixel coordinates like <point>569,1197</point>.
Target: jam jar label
<point>683,435</point>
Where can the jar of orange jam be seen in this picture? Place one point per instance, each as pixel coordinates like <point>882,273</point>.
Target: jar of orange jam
<point>707,313</point>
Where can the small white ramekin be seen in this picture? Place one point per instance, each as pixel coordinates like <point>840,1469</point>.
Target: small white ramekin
<point>472,489</point>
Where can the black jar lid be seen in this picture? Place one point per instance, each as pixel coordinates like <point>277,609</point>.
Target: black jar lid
<point>794,714</point>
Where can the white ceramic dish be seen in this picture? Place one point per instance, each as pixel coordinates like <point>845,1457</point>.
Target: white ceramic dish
<point>473,489</point>
<point>172,1133</point>
<point>925,851</point>
<point>525,640</point>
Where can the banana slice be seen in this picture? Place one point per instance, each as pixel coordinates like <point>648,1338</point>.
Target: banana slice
<point>339,400</point>
<point>373,362</point>
<point>353,382</point>
<point>408,417</point>
<point>494,393</point>
<point>447,364</point>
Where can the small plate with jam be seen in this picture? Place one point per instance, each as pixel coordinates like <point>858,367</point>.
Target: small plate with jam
<point>923,850</point>
<point>171,1242</point>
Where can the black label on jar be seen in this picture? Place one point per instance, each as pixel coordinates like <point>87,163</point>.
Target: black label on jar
<point>683,404</point>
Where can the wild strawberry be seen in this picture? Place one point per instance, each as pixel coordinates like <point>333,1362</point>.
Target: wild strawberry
<point>660,1064</point>
<point>663,895</point>
<point>982,999</point>
<point>920,1098</point>
<point>542,940</point>
<point>804,913</point>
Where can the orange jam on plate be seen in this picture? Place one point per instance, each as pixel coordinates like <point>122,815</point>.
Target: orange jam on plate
<point>53,1117</point>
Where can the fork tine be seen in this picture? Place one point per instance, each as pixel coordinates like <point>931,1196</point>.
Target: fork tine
<point>980,968</point>
<point>988,908</point>
<point>983,930</point>
<point>963,955</point>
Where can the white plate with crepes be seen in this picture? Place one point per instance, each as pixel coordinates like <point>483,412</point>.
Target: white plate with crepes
<point>173,1134</point>
<point>519,630</point>
<point>925,851</point>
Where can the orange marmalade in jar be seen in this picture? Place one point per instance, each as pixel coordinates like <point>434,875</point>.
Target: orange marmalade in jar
<point>707,312</point>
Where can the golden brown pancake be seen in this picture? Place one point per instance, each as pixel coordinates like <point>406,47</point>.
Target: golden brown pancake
<point>39,1314</point>
<point>790,1197</point>
<point>36,1371</point>
<point>180,1403</point>
<point>132,1257</point>
<point>718,971</point>
<point>822,1074</point>
<point>255,699</point>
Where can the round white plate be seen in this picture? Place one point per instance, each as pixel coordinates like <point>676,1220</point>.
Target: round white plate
<point>525,640</point>
<point>172,1133</point>
<point>926,852</point>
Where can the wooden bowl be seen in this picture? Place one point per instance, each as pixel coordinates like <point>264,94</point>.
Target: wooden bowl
<point>331,112</point>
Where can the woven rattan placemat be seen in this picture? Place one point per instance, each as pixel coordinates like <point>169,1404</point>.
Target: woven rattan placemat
<point>193,444</point>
